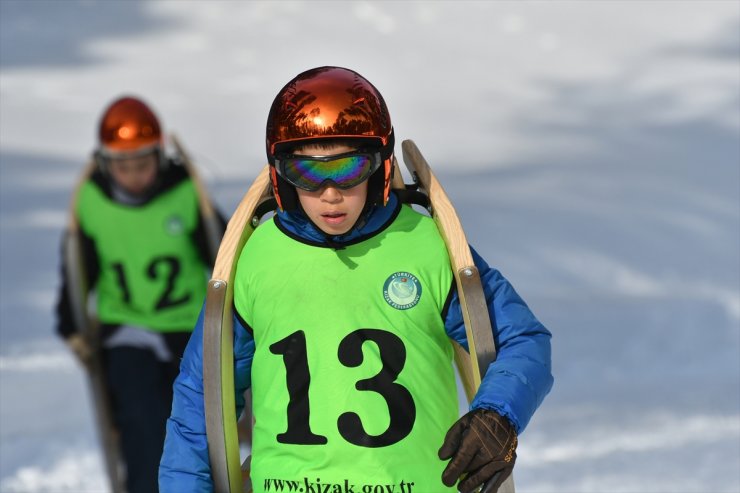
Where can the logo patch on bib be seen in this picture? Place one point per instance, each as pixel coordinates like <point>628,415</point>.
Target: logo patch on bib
<point>174,225</point>
<point>402,290</point>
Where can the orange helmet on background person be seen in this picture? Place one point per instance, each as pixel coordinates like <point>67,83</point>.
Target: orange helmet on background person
<point>128,128</point>
<point>329,103</point>
<point>128,125</point>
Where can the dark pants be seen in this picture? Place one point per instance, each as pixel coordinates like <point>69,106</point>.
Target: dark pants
<point>141,392</point>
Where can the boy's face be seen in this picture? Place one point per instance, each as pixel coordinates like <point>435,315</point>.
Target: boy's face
<point>332,209</point>
<point>134,174</point>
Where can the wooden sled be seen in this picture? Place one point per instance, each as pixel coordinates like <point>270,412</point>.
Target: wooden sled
<point>88,327</point>
<point>472,366</point>
<point>213,229</point>
<point>218,360</point>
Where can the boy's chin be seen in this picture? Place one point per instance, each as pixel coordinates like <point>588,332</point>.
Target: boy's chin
<point>335,232</point>
<point>136,193</point>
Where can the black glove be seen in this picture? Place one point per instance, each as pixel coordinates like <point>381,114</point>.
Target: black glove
<point>481,444</point>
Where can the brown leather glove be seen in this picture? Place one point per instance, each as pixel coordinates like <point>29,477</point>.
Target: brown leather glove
<point>80,347</point>
<point>480,444</point>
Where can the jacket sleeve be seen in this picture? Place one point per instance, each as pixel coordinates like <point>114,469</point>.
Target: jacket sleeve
<point>185,465</point>
<point>516,383</point>
<point>65,322</point>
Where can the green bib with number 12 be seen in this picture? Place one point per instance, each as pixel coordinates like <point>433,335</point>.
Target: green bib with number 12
<point>352,374</point>
<point>151,275</point>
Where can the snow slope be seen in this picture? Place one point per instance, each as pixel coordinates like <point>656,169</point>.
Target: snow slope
<point>592,151</point>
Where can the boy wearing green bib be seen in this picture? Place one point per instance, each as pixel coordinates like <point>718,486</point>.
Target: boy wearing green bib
<point>345,304</point>
<point>146,256</point>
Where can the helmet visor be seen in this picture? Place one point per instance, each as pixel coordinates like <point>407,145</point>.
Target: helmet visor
<point>343,170</point>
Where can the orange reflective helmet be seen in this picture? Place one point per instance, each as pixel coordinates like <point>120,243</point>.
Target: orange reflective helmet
<point>129,126</point>
<point>329,103</point>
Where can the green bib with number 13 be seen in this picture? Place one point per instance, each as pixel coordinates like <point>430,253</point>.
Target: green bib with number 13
<point>352,376</point>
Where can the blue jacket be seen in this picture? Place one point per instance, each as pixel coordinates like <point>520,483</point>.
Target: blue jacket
<point>514,385</point>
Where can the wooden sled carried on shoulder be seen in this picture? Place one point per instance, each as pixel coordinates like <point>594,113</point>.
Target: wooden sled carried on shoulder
<point>211,224</point>
<point>88,327</point>
<point>229,476</point>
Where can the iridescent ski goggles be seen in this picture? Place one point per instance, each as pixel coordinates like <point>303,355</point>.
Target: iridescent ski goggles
<point>343,170</point>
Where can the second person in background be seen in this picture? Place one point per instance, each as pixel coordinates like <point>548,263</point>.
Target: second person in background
<point>146,256</point>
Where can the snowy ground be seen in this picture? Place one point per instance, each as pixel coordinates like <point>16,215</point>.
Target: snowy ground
<point>592,150</point>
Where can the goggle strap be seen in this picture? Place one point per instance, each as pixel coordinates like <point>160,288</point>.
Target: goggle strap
<point>274,180</point>
<point>388,176</point>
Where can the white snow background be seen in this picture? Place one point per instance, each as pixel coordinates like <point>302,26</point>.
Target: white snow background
<point>592,150</point>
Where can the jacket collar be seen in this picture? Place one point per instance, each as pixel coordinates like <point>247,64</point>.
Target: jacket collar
<point>297,225</point>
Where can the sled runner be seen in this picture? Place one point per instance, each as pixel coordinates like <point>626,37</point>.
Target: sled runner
<point>88,327</point>
<point>210,219</point>
<point>472,366</point>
